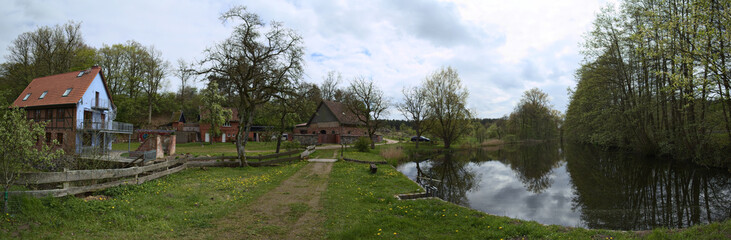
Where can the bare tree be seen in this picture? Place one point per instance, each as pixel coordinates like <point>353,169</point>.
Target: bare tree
<point>255,66</point>
<point>414,108</point>
<point>368,103</point>
<point>330,88</point>
<point>447,101</point>
<point>186,74</point>
<point>155,70</point>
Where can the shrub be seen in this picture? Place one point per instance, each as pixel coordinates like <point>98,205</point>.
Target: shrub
<point>291,145</point>
<point>363,144</point>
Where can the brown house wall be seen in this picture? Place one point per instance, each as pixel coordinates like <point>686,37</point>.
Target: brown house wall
<point>59,120</point>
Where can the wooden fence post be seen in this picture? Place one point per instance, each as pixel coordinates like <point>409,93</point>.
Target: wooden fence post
<point>65,183</point>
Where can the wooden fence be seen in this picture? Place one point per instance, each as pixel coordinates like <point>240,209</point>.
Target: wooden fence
<point>81,181</point>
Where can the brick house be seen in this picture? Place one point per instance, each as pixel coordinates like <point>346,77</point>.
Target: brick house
<point>77,108</point>
<point>331,123</point>
<point>230,129</point>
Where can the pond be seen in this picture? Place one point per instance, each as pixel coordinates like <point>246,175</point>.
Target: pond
<point>576,186</point>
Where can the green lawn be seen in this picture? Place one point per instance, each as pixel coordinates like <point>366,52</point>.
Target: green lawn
<point>227,149</point>
<point>174,206</point>
<point>361,205</point>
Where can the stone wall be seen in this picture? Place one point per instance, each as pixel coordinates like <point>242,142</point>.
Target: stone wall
<point>305,139</point>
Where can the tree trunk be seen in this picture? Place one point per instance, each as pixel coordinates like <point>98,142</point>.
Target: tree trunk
<point>418,137</point>
<point>5,199</point>
<point>149,113</point>
<point>242,136</point>
<point>281,131</point>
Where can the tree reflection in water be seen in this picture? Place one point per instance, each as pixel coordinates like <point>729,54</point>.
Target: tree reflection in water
<point>609,190</point>
<point>449,174</point>
<point>625,191</point>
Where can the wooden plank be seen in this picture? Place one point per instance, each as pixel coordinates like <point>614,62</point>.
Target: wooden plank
<point>213,164</point>
<point>80,175</point>
<point>97,187</point>
<point>212,158</point>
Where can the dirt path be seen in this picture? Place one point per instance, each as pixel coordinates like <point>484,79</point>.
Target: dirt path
<point>290,211</point>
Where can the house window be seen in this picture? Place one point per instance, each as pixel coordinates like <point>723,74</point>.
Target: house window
<point>333,132</point>
<point>26,97</point>
<point>303,131</point>
<point>66,93</point>
<point>48,138</point>
<point>59,138</point>
<point>348,132</point>
<point>43,95</point>
<point>227,124</point>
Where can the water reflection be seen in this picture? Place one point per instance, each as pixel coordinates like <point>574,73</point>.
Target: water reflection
<point>577,187</point>
<point>620,191</point>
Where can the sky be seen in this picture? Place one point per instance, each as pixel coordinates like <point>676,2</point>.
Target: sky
<point>499,48</point>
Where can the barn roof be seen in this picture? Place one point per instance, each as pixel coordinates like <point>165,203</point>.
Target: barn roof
<point>340,111</point>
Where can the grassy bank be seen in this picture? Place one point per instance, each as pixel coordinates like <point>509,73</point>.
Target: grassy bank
<point>362,205</point>
<point>171,207</point>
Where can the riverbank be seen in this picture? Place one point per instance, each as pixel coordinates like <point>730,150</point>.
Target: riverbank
<point>198,203</point>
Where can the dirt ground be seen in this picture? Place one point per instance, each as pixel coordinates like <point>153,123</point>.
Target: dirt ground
<point>290,211</point>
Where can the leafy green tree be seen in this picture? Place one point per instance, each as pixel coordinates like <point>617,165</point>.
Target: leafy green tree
<point>534,117</point>
<point>44,52</point>
<point>414,108</point>
<point>447,105</point>
<point>22,147</point>
<point>366,100</point>
<point>216,115</point>
<point>253,66</point>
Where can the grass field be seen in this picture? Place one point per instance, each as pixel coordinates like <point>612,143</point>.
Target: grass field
<point>361,206</point>
<point>175,206</point>
<point>357,205</point>
<point>198,149</point>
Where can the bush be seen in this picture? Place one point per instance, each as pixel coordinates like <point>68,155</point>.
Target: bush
<point>363,144</point>
<point>291,145</point>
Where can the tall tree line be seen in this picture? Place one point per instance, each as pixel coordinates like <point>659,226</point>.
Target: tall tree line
<point>655,79</point>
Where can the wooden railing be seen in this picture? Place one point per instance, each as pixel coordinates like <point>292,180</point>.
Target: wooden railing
<point>72,182</point>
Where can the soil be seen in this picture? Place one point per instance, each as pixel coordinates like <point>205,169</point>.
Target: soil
<point>290,211</point>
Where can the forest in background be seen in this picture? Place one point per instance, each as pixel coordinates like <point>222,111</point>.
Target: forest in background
<point>655,80</point>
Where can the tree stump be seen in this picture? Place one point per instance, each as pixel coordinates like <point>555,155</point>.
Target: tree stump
<point>374,168</point>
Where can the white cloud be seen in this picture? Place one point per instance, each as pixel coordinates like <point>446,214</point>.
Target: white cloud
<point>500,48</point>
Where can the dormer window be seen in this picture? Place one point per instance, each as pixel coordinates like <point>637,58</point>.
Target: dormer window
<point>26,97</point>
<point>43,95</point>
<point>80,74</point>
<point>66,93</point>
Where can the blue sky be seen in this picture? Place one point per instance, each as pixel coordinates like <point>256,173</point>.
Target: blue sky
<point>499,48</point>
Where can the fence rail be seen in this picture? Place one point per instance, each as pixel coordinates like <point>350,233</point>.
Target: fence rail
<point>72,182</point>
<point>106,126</point>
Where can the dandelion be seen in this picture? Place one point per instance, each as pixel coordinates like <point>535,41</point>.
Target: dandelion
<point>395,233</point>
<point>500,228</point>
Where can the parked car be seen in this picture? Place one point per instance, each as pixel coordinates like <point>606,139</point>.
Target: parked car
<point>420,139</point>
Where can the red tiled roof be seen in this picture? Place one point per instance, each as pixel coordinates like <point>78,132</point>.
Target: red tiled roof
<point>56,85</point>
